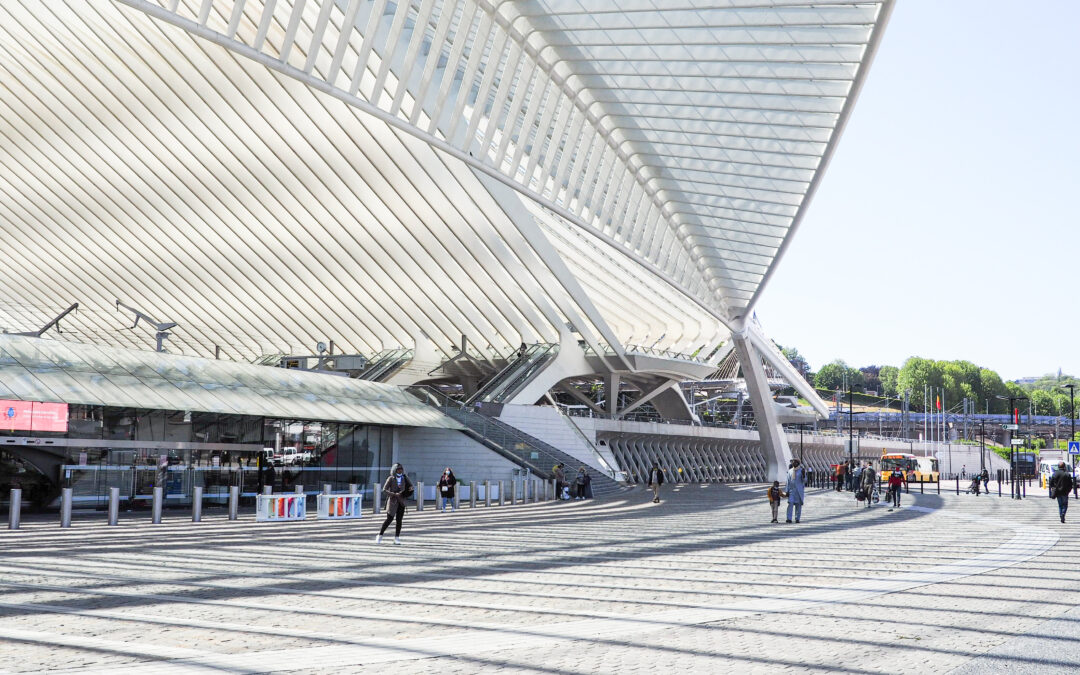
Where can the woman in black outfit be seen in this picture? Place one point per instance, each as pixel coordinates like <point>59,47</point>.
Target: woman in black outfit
<point>397,489</point>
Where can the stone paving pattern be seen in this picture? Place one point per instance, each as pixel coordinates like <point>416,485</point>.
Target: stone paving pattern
<point>505,589</point>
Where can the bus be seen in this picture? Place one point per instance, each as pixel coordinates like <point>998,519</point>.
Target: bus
<point>915,469</point>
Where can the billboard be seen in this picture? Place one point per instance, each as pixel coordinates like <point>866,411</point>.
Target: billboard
<point>33,416</point>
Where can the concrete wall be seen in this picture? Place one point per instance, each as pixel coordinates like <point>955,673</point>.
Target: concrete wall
<point>427,452</point>
<point>545,423</point>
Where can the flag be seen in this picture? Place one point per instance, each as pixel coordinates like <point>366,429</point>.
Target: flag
<point>938,402</point>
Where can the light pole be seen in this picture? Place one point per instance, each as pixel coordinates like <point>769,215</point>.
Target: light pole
<point>1013,415</point>
<point>1072,431</point>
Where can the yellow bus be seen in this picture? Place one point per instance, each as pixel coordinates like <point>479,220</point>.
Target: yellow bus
<point>915,469</point>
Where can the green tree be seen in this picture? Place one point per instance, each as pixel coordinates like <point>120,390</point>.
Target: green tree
<point>832,376</point>
<point>888,376</point>
<point>797,361</point>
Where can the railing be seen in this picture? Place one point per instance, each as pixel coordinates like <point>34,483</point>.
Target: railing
<point>596,452</point>
<point>516,374</point>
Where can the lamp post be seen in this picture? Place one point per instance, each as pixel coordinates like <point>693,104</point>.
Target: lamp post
<point>1072,430</point>
<point>1014,486</point>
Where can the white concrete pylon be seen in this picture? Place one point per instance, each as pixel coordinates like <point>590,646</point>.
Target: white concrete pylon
<point>774,445</point>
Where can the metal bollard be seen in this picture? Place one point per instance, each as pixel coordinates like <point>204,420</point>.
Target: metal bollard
<point>114,505</point>
<point>155,511</point>
<point>376,501</point>
<point>513,491</point>
<point>472,494</point>
<point>353,488</point>
<point>999,488</point>
<point>502,495</point>
<point>487,493</point>
<point>1024,488</point>
<point>958,485</point>
<point>419,496</point>
<point>65,507</point>
<point>457,496</point>
<point>268,489</point>
<point>234,502</point>
<point>15,509</point>
<point>326,488</point>
<point>196,504</point>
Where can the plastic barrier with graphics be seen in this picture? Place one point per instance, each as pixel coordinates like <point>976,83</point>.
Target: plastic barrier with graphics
<point>339,507</point>
<point>273,508</point>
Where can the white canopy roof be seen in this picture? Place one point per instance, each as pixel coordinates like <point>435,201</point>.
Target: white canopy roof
<point>269,174</point>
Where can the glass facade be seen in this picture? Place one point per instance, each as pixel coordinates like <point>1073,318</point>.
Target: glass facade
<point>135,449</point>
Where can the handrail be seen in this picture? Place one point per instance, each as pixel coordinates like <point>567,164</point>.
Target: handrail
<point>596,452</point>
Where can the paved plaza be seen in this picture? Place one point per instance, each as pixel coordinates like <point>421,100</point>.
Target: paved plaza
<point>700,583</point>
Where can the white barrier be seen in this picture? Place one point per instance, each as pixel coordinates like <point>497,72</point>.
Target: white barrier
<point>273,508</point>
<point>339,507</point>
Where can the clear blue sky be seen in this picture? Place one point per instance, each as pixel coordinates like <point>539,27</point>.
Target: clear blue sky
<point>946,225</point>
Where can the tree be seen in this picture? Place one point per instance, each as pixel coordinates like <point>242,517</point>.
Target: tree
<point>797,361</point>
<point>888,376</point>
<point>833,375</point>
<point>871,378</point>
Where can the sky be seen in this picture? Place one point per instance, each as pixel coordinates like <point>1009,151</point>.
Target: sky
<point>945,225</point>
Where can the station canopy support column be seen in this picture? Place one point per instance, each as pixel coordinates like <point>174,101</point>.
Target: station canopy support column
<point>774,444</point>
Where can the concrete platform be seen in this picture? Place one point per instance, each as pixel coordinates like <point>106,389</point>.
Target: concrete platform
<point>699,583</point>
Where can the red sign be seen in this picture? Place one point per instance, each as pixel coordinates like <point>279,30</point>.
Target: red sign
<point>33,416</point>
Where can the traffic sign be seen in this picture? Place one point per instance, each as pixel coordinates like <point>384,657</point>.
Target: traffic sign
<point>1017,441</point>
<point>1010,427</point>
<point>1074,447</point>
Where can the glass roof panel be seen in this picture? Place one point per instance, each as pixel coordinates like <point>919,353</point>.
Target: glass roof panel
<point>67,372</point>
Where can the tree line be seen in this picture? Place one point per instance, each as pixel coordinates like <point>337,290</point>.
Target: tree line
<point>954,380</point>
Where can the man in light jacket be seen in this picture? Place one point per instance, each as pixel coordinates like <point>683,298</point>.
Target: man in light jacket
<point>796,490</point>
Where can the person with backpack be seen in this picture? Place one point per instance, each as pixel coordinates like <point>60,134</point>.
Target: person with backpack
<point>896,484</point>
<point>656,479</point>
<point>1061,484</point>
<point>775,494</point>
<point>986,481</point>
<point>397,489</point>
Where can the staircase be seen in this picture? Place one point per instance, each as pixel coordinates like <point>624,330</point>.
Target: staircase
<point>515,445</point>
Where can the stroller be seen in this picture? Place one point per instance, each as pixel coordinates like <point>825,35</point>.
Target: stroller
<point>974,488</point>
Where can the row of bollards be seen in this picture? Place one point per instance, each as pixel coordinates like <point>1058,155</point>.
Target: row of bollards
<point>536,490</point>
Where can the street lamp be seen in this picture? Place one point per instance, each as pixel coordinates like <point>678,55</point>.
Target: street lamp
<point>1013,484</point>
<point>1072,429</point>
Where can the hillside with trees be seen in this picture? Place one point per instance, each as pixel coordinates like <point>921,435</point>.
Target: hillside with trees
<point>955,380</point>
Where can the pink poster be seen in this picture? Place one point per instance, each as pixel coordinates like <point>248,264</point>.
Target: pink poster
<point>32,416</point>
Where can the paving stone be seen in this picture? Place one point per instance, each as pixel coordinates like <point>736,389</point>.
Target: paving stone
<point>700,583</point>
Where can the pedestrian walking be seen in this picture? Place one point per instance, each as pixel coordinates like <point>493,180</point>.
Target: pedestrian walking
<point>868,481</point>
<point>397,489</point>
<point>796,491</point>
<point>1061,484</point>
<point>586,484</point>
<point>986,481</point>
<point>775,494</point>
<point>447,485</point>
<point>841,470</point>
<point>963,472</point>
<point>656,479</point>
<point>896,484</point>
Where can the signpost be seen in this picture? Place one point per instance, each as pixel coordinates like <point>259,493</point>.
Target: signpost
<point>1010,427</point>
<point>1074,447</point>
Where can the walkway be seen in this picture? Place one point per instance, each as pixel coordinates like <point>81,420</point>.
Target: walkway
<point>700,583</point>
